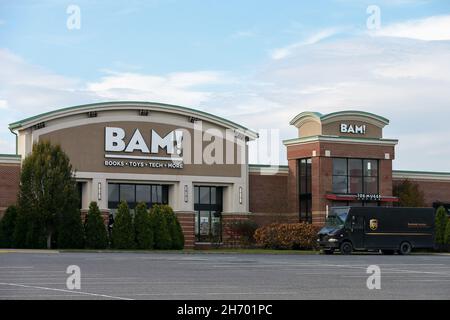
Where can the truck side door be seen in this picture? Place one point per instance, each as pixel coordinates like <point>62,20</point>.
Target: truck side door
<point>357,232</point>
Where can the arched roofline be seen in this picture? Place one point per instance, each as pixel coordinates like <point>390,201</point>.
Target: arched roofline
<point>131,105</point>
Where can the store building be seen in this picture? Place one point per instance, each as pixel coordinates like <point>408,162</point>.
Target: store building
<point>198,164</point>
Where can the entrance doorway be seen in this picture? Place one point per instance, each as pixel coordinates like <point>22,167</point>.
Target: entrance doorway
<point>208,213</point>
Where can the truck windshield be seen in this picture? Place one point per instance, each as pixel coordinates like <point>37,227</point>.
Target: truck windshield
<point>337,217</point>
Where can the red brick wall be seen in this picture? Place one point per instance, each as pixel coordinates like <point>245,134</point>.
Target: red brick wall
<point>385,176</point>
<point>350,150</point>
<point>263,219</point>
<point>267,193</point>
<point>434,190</point>
<point>9,185</point>
<point>292,193</point>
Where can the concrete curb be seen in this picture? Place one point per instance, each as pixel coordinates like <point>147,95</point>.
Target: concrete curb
<point>27,251</point>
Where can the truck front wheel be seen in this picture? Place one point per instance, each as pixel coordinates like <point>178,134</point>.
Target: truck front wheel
<point>346,248</point>
<point>405,248</point>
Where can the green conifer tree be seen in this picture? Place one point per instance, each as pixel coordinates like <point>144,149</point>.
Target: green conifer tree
<point>440,225</point>
<point>161,231</point>
<point>96,236</point>
<point>123,230</point>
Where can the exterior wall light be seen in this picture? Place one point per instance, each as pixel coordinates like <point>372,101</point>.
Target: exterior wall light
<point>186,195</point>
<point>99,191</point>
<point>240,195</point>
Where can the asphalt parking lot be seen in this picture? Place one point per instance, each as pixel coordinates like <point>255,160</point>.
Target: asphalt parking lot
<point>222,276</point>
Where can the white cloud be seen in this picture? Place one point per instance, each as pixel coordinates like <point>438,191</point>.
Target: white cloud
<point>244,34</point>
<point>3,104</point>
<point>429,28</point>
<point>176,88</point>
<point>405,80</point>
<point>284,52</point>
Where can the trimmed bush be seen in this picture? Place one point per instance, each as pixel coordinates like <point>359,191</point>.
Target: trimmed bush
<point>123,230</point>
<point>175,231</point>
<point>96,236</point>
<point>287,236</point>
<point>143,227</point>
<point>243,231</point>
<point>440,225</point>
<point>7,226</point>
<point>161,230</point>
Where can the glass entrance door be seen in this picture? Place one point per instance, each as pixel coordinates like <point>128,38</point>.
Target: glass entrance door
<point>208,210</point>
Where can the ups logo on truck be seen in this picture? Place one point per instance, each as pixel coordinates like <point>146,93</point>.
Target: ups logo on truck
<point>373,224</point>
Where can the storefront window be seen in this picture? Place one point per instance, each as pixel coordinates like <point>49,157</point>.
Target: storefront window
<point>136,193</point>
<point>127,193</point>
<point>208,209</point>
<point>305,195</point>
<point>143,193</point>
<point>352,176</point>
<point>356,185</point>
<point>339,167</point>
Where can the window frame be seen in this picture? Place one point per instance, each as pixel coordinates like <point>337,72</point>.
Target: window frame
<point>164,196</point>
<point>305,189</point>
<point>363,175</point>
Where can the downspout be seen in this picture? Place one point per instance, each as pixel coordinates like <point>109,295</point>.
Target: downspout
<point>17,140</point>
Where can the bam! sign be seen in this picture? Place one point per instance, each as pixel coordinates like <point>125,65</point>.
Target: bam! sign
<point>170,143</point>
<point>352,128</point>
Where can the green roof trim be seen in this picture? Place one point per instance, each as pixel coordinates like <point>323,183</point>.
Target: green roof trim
<point>316,115</point>
<point>323,117</point>
<point>266,166</point>
<point>325,137</point>
<point>355,112</point>
<point>420,172</point>
<point>18,124</point>
<point>12,156</point>
<point>447,174</point>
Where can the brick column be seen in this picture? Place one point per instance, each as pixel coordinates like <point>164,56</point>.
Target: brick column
<point>292,192</point>
<point>187,222</point>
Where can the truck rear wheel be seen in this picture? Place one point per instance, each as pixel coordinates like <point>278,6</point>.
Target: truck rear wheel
<point>346,248</point>
<point>405,248</point>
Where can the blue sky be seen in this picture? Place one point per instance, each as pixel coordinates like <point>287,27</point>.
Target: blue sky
<point>258,63</point>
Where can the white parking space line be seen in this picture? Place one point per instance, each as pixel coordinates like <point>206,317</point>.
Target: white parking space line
<point>65,291</point>
<point>212,293</point>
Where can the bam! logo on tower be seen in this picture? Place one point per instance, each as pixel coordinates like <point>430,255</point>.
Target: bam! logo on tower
<point>171,144</point>
<point>355,129</point>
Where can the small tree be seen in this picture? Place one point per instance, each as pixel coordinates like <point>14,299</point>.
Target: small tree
<point>123,231</point>
<point>95,229</point>
<point>447,234</point>
<point>440,225</point>
<point>21,230</point>
<point>143,227</point>
<point>70,230</point>
<point>47,199</point>
<point>174,227</point>
<point>161,231</point>
<point>7,226</point>
<point>409,194</point>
